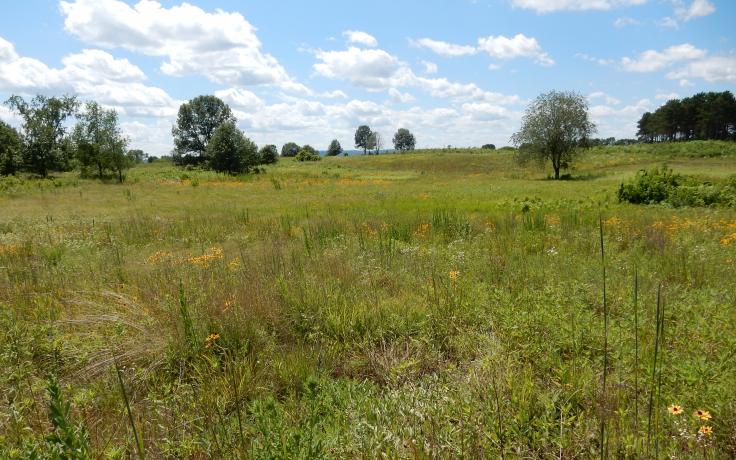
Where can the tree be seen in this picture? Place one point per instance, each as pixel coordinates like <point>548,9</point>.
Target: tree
<point>308,153</point>
<point>138,156</point>
<point>404,140</point>
<point>268,154</point>
<point>43,130</point>
<point>290,149</point>
<point>362,138</point>
<point>334,149</point>
<point>99,142</point>
<point>488,147</point>
<point>375,142</point>
<point>230,151</point>
<point>195,125</point>
<point>10,149</point>
<point>553,127</point>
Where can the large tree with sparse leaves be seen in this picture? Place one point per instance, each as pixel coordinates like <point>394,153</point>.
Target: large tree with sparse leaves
<point>554,127</point>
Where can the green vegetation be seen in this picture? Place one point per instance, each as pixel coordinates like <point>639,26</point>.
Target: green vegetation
<point>307,153</point>
<point>554,127</point>
<point>662,185</point>
<point>404,140</point>
<point>436,304</point>
<point>335,149</point>
<point>702,116</point>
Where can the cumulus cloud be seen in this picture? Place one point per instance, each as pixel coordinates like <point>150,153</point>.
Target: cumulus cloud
<point>360,38</point>
<point>398,96</point>
<point>91,74</point>
<point>713,69</point>
<point>444,48</point>
<point>498,47</point>
<point>619,121</point>
<point>430,68</point>
<point>625,21</point>
<point>652,60</point>
<point>550,6</point>
<point>696,9</point>
<point>373,69</point>
<point>221,46</point>
<point>610,100</point>
<point>519,45</point>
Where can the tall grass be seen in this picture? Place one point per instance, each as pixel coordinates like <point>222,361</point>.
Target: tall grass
<point>424,305</point>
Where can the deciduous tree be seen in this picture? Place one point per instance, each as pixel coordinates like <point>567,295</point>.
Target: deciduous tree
<point>195,125</point>
<point>553,128</point>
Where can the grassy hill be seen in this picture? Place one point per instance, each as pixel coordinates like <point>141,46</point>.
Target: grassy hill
<point>444,303</point>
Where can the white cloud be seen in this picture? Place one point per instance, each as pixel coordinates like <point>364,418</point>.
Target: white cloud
<point>625,21</point>
<point>519,45</point>
<point>91,74</point>
<point>610,100</point>
<point>360,38</point>
<point>589,58</point>
<point>398,96</point>
<point>668,23</point>
<point>666,96</point>
<point>549,6</point>
<point>697,8</point>
<point>619,122</point>
<point>444,48</point>
<point>221,46</point>
<point>499,47</point>
<point>429,67</point>
<point>652,60</point>
<point>485,111</point>
<point>374,69</point>
<point>713,69</point>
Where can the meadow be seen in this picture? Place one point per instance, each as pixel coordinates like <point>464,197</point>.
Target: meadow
<point>436,304</point>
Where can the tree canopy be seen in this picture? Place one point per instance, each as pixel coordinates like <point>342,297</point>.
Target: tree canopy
<point>290,149</point>
<point>99,143</point>
<point>308,153</point>
<point>554,126</point>
<point>195,125</point>
<point>334,149</point>
<point>702,116</point>
<point>230,151</point>
<point>404,140</point>
<point>43,130</point>
<point>268,154</point>
<point>363,138</point>
<point>10,149</point>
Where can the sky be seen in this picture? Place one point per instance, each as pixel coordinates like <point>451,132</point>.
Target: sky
<point>454,72</point>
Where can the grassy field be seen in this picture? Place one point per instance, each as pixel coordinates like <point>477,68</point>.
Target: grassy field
<point>439,304</point>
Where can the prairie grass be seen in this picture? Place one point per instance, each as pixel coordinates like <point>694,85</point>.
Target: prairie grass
<point>444,304</point>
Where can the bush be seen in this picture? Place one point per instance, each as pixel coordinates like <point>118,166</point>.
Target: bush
<point>308,153</point>
<point>662,185</point>
<point>268,154</point>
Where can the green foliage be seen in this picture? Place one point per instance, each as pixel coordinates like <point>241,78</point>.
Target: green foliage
<point>404,140</point>
<point>268,154</point>
<point>308,153</point>
<point>10,150</point>
<point>436,304</point>
<point>230,151</point>
<point>488,147</point>
<point>196,123</point>
<point>703,116</point>
<point>334,149</point>
<point>43,130</point>
<point>662,185</point>
<point>290,149</point>
<point>68,441</point>
<point>554,125</point>
<point>363,138</point>
<point>100,145</point>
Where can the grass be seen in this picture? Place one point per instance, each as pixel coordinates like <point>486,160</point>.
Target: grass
<point>436,304</point>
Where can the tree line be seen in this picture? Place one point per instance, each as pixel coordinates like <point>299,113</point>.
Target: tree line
<point>704,116</point>
<point>95,144</point>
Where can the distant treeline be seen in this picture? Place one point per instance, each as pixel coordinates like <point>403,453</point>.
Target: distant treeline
<point>703,116</point>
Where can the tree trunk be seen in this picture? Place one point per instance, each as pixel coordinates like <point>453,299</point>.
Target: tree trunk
<point>557,172</point>
<point>120,175</point>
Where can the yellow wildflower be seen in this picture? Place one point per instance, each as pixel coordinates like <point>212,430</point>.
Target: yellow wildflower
<point>706,430</point>
<point>454,275</point>
<point>675,409</point>
<point>210,340</point>
<point>702,415</point>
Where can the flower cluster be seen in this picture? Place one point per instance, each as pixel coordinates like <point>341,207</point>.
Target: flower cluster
<point>210,340</point>
<point>204,260</point>
<point>454,275</point>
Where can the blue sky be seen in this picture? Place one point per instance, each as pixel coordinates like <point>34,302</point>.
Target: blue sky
<point>455,72</point>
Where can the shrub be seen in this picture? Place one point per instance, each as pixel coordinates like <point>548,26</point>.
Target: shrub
<point>662,185</point>
<point>308,153</point>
